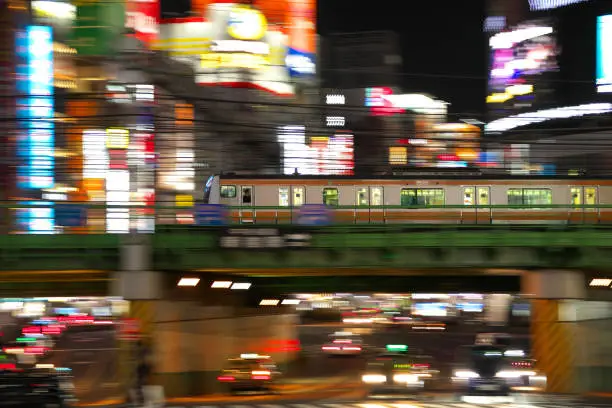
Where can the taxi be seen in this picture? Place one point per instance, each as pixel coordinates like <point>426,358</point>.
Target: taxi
<point>249,372</point>
<point>398,371</point>
<point>343,344</point>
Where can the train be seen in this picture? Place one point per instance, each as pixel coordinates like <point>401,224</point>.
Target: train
<point>423,199</point>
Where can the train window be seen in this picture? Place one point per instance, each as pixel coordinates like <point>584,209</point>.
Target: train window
<point>576,193</point>
<point>330,196</point>
<point>422,196</point>
<point>376,196</point>
<point>362,196</point>
<point>228,191</point>
<point>468,196</point>
<point>247,195</point>
<point>529,196</point>
<point>590,195</point>
<point>483,196</point>
<point>283,196</point>
<point>298,196</point>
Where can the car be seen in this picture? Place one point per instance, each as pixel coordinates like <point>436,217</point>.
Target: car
<point>249,372</point>
<point>343,344</point>
<point>37,387</point>
<point>486,373</point>
<point>398,371</point>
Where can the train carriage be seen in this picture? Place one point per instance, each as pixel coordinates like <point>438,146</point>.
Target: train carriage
<point>453,200</point>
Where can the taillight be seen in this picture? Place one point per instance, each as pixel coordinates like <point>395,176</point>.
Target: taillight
<point>351,348</point>
<point>226,378</point>
<point>7,366</point>
<point>261,377</point>
<point>330,348</point>
<point>343,341</point>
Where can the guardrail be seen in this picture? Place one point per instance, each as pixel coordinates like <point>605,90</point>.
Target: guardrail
<point>90,218</point>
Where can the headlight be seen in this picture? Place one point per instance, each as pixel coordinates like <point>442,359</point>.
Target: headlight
<point>373,378</point>
<point>515,374</point>
<point>406,378</point>
<point>466,374</point>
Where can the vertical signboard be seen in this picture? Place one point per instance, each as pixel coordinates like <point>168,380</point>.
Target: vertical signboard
<point>143,16</point>
<point>302,38</point>
<point>37,170</point>
<point>98,26</point>
<point>604,53</point>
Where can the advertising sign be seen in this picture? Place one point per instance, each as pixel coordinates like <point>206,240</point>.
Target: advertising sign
<point>98,26</point>
<point>262,45</point>
<point>604,53</point>
<point>142,16</point>
<point>36,146</point>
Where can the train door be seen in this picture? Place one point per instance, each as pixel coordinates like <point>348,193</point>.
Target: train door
<point>377,205</point>
<point>583,201</point>
<point>298,199</point>
<point>247,213</point>
<point>476,202</point>
<point>369,205</point>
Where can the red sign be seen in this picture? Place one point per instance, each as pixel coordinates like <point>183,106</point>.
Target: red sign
<point>143,17</point>
<point>129,329</point>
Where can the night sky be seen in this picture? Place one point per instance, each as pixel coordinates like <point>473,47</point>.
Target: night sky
<point>444,52</point>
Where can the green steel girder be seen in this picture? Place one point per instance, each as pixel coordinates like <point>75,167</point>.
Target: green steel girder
<point>397,247</point>
<point>59,252</point>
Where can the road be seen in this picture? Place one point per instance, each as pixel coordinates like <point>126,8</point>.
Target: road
<point>441,346</point>
<point>91,353</point>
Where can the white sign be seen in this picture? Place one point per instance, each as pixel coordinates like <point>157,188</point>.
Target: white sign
<point>260,48</point>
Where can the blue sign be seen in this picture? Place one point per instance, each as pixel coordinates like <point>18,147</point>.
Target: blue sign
<point>211,214</point>
<point>35,79</point>
<point>70,215</point>
<point>300,64</point>
<point>314,214</point>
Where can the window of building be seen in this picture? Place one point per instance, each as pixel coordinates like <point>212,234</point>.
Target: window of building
<point>330,196</point>
<point>529,196</point>
<point>362,197</point>
<point>283,196</point>
<point>422,196</point>
<point>228,191</point>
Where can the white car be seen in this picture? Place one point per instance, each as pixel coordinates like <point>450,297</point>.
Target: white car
<point>343,344</point>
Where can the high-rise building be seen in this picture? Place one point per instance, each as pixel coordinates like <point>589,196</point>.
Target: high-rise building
<point>361,60</point>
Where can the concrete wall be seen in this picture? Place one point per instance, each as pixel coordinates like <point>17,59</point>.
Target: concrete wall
<point>192,342</point>
<point>593,341</point>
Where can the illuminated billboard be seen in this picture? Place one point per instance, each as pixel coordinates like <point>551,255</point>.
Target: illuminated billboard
<point>324,155</point>
<point>264,45</point>
<point>518,57</point>
<point>604,54</point>
<point>143,17</point>
<point>36,146</point>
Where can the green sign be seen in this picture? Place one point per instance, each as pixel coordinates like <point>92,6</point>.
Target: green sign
<point>397,347</point>
<point>26,340</point>
<point>98,26</point>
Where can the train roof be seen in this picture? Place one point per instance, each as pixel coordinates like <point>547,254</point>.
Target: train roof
<point>411,177</point>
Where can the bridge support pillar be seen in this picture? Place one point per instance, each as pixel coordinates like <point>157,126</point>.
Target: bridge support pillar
<point>555,296</point>
<point>143,288</point>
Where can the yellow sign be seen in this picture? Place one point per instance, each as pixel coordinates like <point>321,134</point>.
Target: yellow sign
<point>246,23</point>
<point>117,138</point>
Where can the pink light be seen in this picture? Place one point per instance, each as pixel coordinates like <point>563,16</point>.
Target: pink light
<point>225,378</point>
<point>351,348</point>
<point>30,330</point>
<point>343,341</point>
<point>35,350</point>
<point>261,377</point>
<point>329,348</point>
